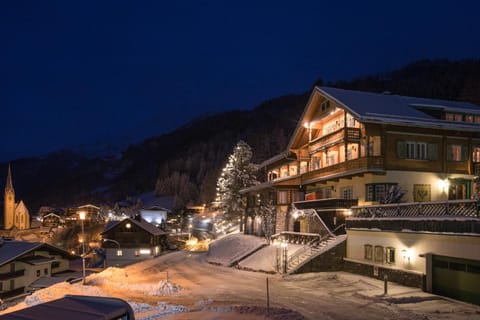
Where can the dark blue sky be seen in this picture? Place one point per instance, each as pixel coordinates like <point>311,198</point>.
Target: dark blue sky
<point>78,72</point>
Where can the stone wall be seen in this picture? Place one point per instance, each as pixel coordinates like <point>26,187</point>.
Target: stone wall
<point>402,277</point>
<point>331,260</point>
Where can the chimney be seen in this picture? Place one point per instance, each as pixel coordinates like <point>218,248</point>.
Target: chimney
<point>138,217</point>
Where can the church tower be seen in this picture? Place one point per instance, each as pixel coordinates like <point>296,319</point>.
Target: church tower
<point>9,202</point>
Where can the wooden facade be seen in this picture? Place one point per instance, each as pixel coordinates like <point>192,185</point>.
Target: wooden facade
<point>363,146</point>
<point>132,240</point>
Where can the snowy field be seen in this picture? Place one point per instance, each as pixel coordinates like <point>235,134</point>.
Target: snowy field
<point>197,285</point>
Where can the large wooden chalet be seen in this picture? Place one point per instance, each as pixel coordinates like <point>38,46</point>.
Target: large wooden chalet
<point>351,147</point>
<point>353,156</point>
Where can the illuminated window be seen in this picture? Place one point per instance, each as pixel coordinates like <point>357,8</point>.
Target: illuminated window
<point>272,175</point>
<point>456,152</point>
<point>368,252</point>
<point>137,253</point>
<point>145,251</point>
<point>315,163</point>
<point>476,154</point>
<point>119,253</point>
<point>293,170</point>
<point>469,118</point>
<point>303,166</point>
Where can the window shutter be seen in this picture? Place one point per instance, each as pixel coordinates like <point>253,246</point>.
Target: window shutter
<point>449,153</point>
<point>401,150</point>
<point>432,151</point>
<point>464,152</point>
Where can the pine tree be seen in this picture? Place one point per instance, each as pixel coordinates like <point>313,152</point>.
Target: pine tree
<point>239,173</point>
<point>265,210</point>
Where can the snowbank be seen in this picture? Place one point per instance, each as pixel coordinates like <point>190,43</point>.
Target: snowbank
<point>117,279</point>
<point>231,248</point>
<point>265,259</point>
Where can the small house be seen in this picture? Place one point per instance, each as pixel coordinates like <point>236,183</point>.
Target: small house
<point>132,240</point>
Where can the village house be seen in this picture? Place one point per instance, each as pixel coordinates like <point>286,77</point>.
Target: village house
<point>22,264</point>
<point>132,240</point>
<point>352,152</point>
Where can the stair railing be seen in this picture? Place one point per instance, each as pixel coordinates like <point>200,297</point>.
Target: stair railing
<point>305,248</point>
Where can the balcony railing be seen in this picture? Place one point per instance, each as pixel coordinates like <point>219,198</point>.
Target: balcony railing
<point>344,134</point>
<point>12,275</point>
<point>326,203</point>
<point>458,216</point>
<point>344,167</point>
<point>12,293</point>
<point>453,208</point>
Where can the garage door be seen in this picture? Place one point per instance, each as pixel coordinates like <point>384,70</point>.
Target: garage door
<point>456,278</point>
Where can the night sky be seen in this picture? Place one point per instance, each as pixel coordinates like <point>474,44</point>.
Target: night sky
<point>80,72</point>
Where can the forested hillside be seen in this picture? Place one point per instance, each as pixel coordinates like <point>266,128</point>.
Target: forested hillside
<point>186,162</point>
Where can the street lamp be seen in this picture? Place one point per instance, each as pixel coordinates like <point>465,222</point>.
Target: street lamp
<point>81,215</point>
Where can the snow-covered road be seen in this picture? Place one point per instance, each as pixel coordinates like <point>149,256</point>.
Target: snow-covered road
<point>314,295</point>
<point>183,285</point>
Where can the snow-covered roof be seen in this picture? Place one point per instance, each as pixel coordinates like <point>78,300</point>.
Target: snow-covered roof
<point>391,108</point>
<point>12,249</point>
<point>77,307</point>
<point>89,206</point>
<point>145,225</point>
<point>155,208</point>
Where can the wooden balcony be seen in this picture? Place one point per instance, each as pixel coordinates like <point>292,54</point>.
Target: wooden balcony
<point>342,135</point>
<point>12,293</point>
<point>367,163</point>
<point>326,203</point>
<point>12,275</point>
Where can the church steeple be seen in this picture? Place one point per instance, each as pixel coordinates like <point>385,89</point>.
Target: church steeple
<point>9,184</point>
<point>9,202</point>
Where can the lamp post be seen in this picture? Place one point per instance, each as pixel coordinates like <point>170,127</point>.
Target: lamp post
<point>285,255</point>
<point>81,215</point>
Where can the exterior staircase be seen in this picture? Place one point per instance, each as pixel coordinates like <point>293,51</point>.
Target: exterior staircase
<point>312,250</point>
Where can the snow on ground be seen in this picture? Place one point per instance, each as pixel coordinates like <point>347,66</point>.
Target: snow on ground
<point>265,259</point>
<point>232,247</point>
<point>182,285</point>
<point>117,279</point>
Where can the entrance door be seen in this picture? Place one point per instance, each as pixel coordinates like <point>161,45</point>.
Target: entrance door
<point>296,226</point>
<point>459,189</point>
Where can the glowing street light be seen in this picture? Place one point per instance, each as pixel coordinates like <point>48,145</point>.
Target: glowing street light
<point>81,215</point>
